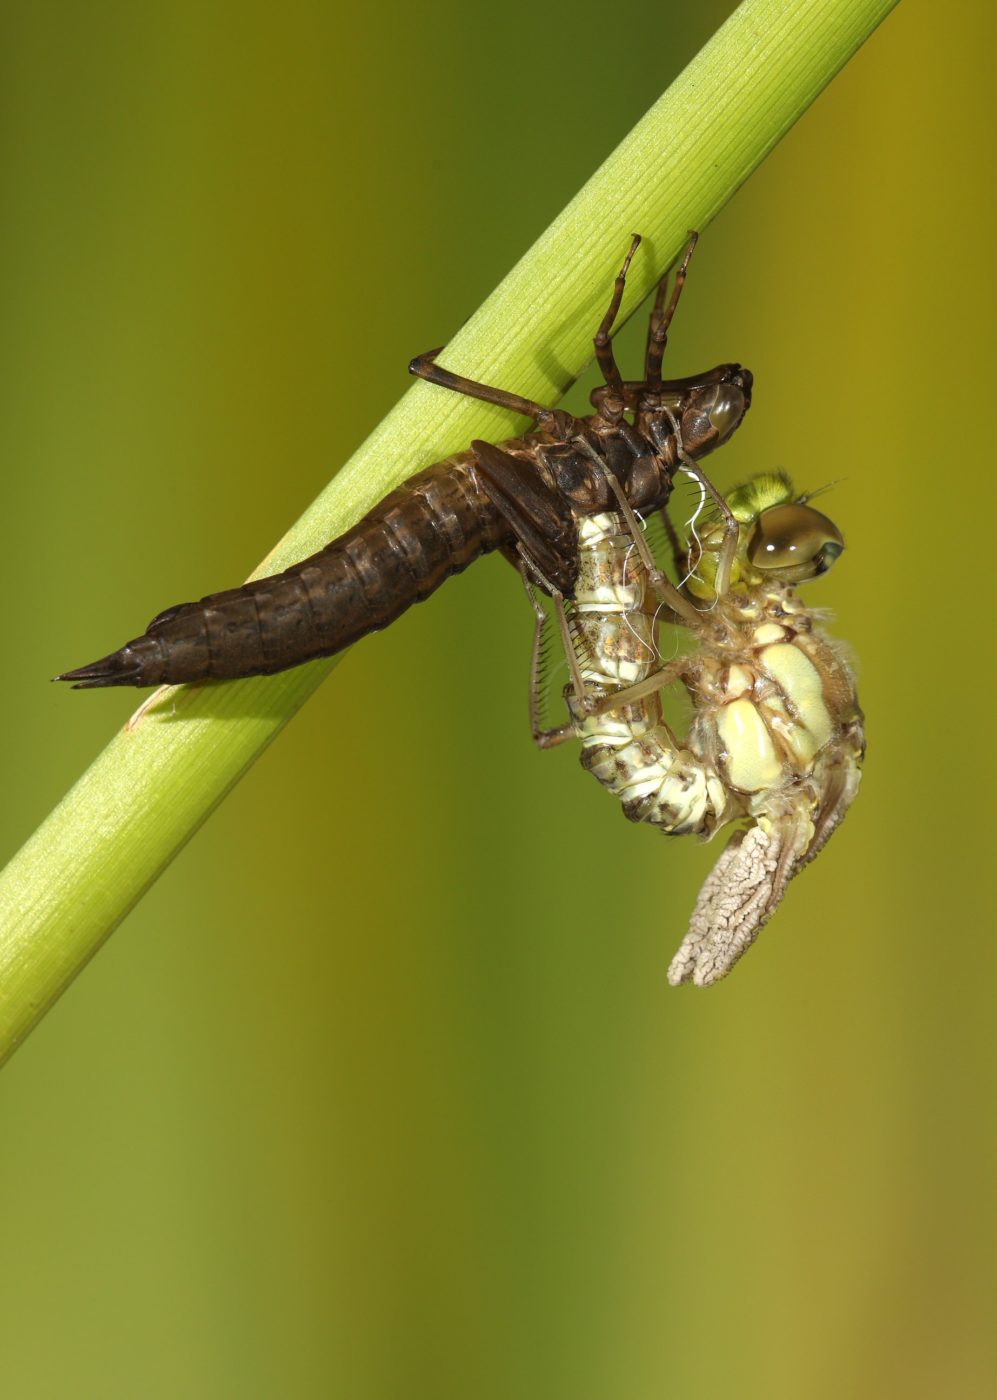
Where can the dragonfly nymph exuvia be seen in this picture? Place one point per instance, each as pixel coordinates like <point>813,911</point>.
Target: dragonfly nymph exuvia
<point>523,496</point>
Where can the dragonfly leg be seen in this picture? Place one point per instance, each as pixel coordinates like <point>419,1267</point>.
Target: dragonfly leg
<point>631,694</point>
<point>425,367</point>
<point>602,342</point>
<point>568,642</point>
<point>661,317</point>
<point>543,738</point>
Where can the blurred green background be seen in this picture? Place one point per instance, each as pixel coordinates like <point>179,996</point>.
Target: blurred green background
<point>381,1092</point>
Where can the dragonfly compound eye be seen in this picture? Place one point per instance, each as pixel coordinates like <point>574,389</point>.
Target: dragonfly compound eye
<point>794,537</point>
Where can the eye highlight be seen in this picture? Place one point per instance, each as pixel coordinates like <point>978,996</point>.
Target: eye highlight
<point>794,537</point>
<point>728,410</point>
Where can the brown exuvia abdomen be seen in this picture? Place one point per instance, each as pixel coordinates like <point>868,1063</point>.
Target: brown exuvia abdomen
<point>433,526</point>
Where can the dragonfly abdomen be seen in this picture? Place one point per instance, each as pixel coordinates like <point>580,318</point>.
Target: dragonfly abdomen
<point>629,748</point>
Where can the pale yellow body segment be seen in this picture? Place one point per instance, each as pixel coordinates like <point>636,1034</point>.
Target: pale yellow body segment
<point>750,761</point>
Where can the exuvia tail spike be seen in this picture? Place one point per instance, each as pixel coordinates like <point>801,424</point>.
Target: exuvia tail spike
<point>115,669</point>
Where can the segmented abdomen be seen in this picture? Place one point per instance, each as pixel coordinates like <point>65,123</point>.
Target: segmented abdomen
<point>629,749</point>
<point>433,526</point>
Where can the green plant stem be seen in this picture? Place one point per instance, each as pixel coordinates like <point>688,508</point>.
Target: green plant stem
<point>158,779</point>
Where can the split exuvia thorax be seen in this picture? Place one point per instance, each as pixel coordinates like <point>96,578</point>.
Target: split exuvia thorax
<point>775,738</point>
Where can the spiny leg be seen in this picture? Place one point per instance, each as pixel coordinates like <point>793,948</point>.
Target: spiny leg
<point>659,582</point>
<point>577,681</point>
<point>657,330</point>
<point>629,433</point>
<point>602,342</point>
<point>425,367</point>
<point>543,738</point>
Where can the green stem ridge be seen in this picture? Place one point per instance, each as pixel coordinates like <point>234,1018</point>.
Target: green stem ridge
<point>161,776</point>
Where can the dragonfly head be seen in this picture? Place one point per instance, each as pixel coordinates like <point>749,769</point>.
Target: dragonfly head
<point>781,537</point>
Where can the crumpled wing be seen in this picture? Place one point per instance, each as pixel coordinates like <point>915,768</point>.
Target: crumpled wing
<point>538,515</point>
<point>738,898</point>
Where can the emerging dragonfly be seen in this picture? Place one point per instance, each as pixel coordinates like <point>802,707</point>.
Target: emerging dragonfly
<point>776,731</point>
<point>524,497</point>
